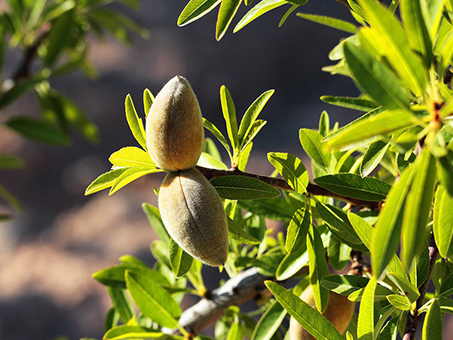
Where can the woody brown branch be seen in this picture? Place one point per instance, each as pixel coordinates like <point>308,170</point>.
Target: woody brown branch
<point>312,189</point>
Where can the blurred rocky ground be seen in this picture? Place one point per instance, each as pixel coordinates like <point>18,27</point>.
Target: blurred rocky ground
<point>49,251</point>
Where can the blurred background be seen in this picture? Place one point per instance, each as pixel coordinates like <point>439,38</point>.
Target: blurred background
<point>49,251</point>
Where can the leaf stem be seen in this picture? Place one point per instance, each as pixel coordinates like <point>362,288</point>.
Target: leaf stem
<point>312,189</point>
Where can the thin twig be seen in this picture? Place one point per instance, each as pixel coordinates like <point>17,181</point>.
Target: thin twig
<point>246,286</point>
<point>278,183</point>
<point>414,319</point>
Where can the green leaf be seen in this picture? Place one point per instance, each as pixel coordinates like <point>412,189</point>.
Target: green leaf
<point>365,324</point>
<point>135,123</point>
<point>121,303</point>
<point>9,162</point>
<point>433,323</point>
<point>405,286</point>
<point>207,161</point>
<point>235,332</point>
<point>338,24</point>
<point>318,268</point>
<point>324,123</point>
<point>388,226</point>
<point>337,222</point>
<point>389,331</point>
<point>354,186</point>
<point>270,322</point>
<point>372,157</point>
<point>292,264</point>
<point>297,230</point>
<point>291,169</point>
<point>58,37</point>
<point>216,132</point>
<point>111,277</point>
<point>394,41</point>
<point>153,215</point>
<point>339,254</point>
<point>261,8</point>
<point>360,104</point>
<point>274,209</point>
<point>400,302</point>
<point>375,78</point>
<point>443,222</point>
<point>148,100</point>
<point>126,332</point>
<point>131,156</point>
<point>308,317</point>
<point>256,127</point>
<point>152,300</point>
<point>417,32</point>
<point>444,171</point>
<point>229,113</point>
<point>418,207</point>
<point>243,188</point>
<point>38,130</point>
<point>130,175</point>
<point>344,284</point>
<point>10,199</point>
<point>104,181</point>
<point>180,261</point>
<point>195,9</point>
<point>251,115</point>
<point>311,142</point>
<point>227,11</point>
<point>446,288</point>
<point>236,232</point>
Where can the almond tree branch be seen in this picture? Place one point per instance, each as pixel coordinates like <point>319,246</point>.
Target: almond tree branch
<point>246,286</point>
<point>413,320</point>
<point>278,183</point>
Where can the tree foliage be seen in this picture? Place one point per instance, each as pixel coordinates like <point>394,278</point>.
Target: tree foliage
<point>380,202</point>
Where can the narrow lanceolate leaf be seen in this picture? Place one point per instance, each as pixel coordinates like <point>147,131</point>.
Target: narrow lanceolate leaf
<point>409,290</point>
<point>297,230</point>
<point>227,11</point>
<point>251,115</point>
<point>269,322</point>
<point>338,222</point>
<point>180,261</point>
<point>135,123</point>
<point>104,181</point>
<point>344,284</point>
<point>311,142</point>
<point>152,300</point>
<point>446,288</point>
<point>121,303</point>
<point>339,24</point>
<point>444,171</point>
<point>195,9</point>
<point>395,42</point>
<point>443,222</point>
<point>365,324</point>
<point>370,128</point>
<point>354,186</point>
<point>38,130</point>
<point>130,175</point>
<point>235,332</point>
<point>318,268</point>
<point>389,331</point>
<point>132,156</point>
<point>216,132</point>
<point>373,157</point>
<point>243,188</point>
<point>309,318</point>
<point>388,227</point>
<point>262,7</point>
<point>153,215</point>
<point>148,100</point>
<point>375,78</point>
<point>360,104</point>
<point>433,324</point>
<point>416,29</point>
<point>418,207</point>
<point>236,232</point>
<point>291,169</point>
<point>229,113</point>
<point>399,301</point>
